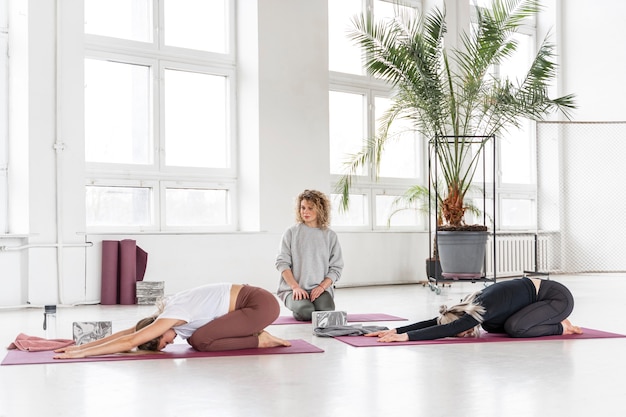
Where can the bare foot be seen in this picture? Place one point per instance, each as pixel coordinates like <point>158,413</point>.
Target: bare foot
<point>267,340</point>
<point>569,328</point>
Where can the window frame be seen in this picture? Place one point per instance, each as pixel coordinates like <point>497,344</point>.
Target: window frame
<point>159,57</point>
<point>229,74</point>
<point>130,183</point>
<point>382,185</point>
<point>372,87</point>
<point>516,190</point>
<point>228,186</point>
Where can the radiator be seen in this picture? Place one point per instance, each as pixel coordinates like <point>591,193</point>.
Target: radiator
<point>516,253</point>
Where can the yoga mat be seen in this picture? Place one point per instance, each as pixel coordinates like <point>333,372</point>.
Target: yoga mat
<point>123,264</point>
<point>128,272</point>
<point>352,318</point>
<point>363,341</point>
<point>109,284</point>
<point>175,351</point>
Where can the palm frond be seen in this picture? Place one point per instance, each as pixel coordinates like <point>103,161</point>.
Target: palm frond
<point>447,92</point>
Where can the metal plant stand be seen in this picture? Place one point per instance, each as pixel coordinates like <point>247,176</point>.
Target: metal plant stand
<point>435,277</point>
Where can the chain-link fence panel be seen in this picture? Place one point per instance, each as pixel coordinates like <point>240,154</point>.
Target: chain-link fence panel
<point>581,170</point>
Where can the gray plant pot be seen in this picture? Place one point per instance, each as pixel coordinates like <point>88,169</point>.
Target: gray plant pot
<point>462,254</point>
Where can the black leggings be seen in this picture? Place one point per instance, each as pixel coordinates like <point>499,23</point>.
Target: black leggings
<point>543,317</point>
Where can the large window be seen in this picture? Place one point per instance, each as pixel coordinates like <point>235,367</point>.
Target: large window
<point>357,101</point>
<point>159,115</point>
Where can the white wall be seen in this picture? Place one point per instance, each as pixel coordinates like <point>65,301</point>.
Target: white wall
<point>593,57</point>
<point>46,151</point>
<point>184,261</point>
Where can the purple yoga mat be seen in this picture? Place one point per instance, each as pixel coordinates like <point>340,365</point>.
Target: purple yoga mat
<point>128,271</point>
<point>364,341</point>
<point>109,283</point>
<point>352,318</point>
<point>175,351</point>
<point>123,264</point>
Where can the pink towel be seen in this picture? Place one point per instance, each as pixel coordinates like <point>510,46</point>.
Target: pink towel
<point>38,344</point>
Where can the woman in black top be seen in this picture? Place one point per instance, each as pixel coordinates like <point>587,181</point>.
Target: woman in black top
<point>523,307</point>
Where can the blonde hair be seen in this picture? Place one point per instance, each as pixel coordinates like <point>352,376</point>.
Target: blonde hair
<point>153,344</point>
<point>467,306</point>
<point>160,305</point>
<point>322,206</point>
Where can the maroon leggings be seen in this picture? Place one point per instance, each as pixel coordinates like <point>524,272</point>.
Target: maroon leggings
<point>255,309</point>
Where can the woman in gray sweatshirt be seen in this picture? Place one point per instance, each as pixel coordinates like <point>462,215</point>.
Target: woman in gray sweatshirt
<point>309,259</point>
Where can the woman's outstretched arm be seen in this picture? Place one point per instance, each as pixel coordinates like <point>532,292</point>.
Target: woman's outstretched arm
<point>98,342</point>
<point>124,341</point>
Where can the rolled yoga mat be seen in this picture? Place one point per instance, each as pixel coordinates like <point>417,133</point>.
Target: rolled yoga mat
<point>109,283</point>
<point>123,264</point>
<point>132,268</point>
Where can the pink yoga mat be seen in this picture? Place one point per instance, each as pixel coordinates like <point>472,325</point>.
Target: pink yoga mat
<point>363,341</point>
<point>352,318</point>
<point>175,351</point>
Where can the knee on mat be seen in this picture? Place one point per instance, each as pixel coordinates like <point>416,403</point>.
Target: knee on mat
<point>304,313</point>
<point>204,346</point>
<point>514,331</point>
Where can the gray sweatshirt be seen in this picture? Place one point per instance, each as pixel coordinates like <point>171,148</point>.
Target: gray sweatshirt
<point>312,254</point>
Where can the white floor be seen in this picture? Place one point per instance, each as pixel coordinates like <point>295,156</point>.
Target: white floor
<point>530,378</point>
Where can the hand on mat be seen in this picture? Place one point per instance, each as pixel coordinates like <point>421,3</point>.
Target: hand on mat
<point>300,294</point>
<point>403,337</point>
<point>381,333</point>
<point>389,336</point>
<point>70,355</point>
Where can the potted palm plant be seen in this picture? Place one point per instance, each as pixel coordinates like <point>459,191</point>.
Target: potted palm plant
<point>452,97</point>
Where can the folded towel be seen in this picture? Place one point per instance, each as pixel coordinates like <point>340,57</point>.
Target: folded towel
<point>37,344</point>
<point>354,330</point>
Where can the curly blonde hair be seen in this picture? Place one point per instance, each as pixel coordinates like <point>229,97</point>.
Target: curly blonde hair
<point>467,306</point>
<point>322,206</point>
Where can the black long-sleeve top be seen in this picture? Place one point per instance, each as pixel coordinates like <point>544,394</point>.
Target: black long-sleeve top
<point>499,300</point>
